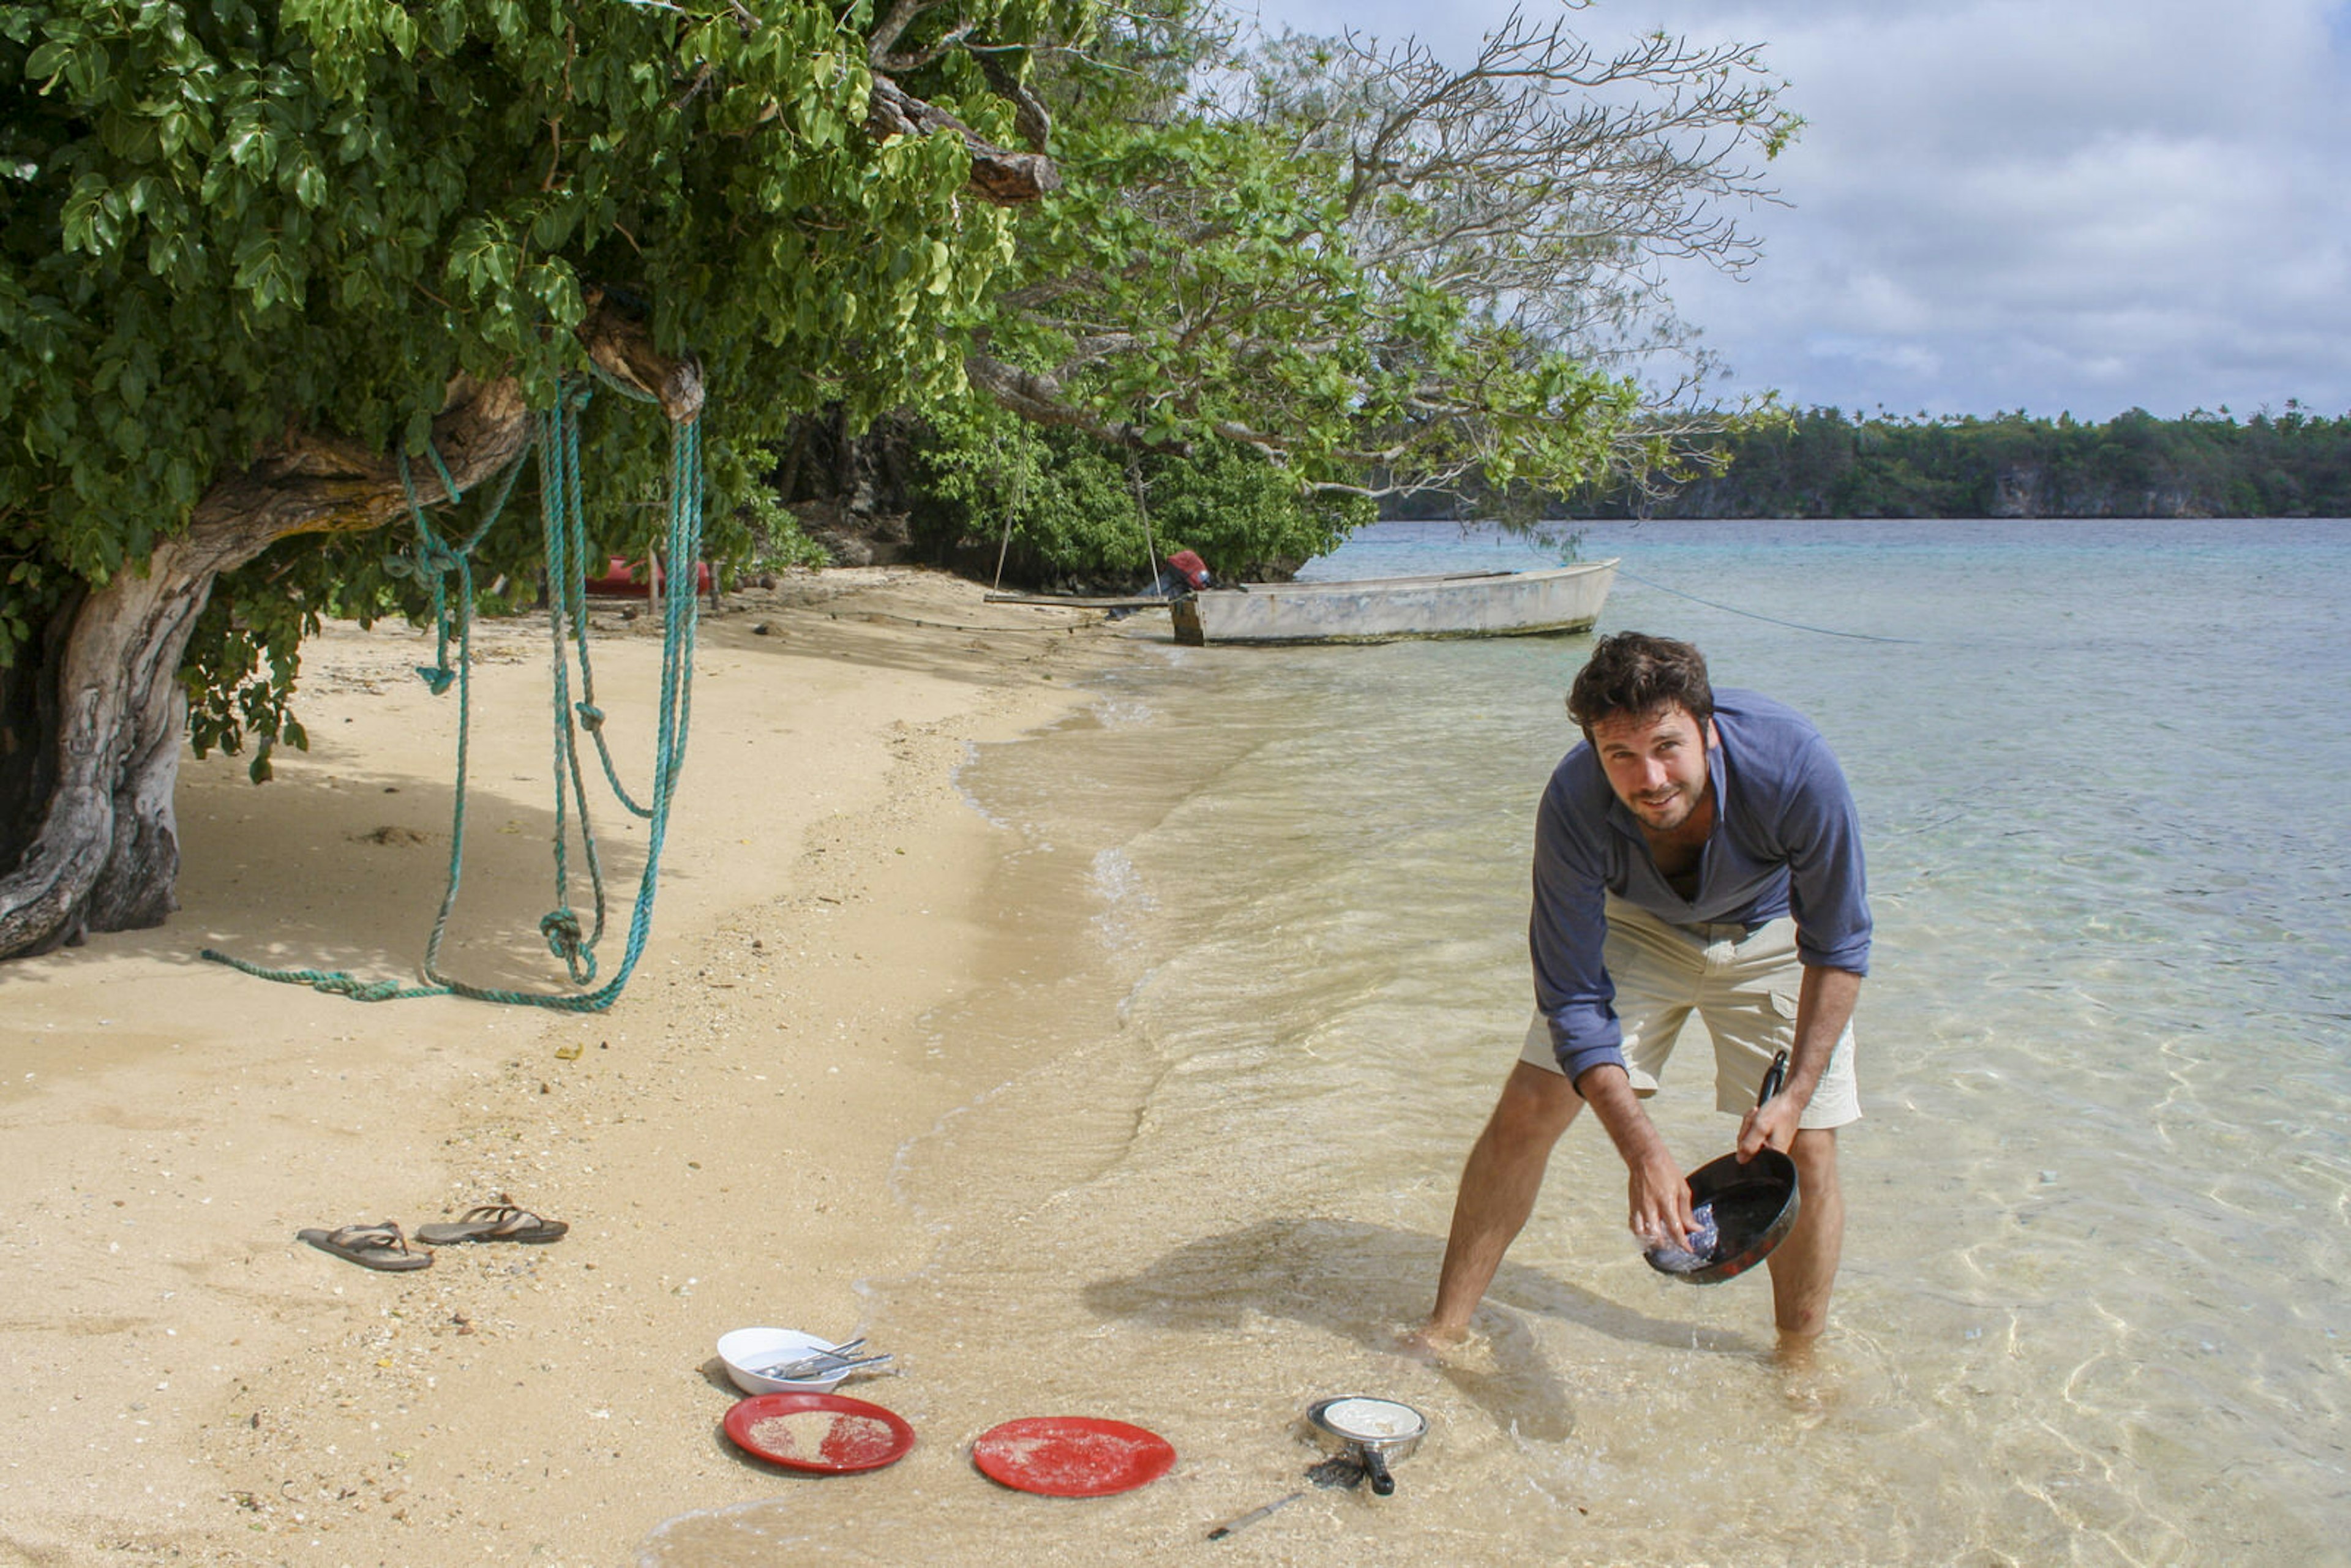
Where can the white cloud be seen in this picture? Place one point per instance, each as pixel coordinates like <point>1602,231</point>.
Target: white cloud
<point>2074,204</point>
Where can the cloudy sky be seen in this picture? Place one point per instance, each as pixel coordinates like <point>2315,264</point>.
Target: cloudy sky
<point>2080,205</point>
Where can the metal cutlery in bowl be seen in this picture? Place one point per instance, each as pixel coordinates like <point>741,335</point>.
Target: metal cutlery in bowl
<point>788,1361</point>
<point>823,1365</point>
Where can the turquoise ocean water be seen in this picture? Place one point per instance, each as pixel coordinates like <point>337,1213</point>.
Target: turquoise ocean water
<point>2093,1305</point>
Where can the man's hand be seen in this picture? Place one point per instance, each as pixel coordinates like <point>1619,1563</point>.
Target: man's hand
<point>1657,1198</point>
<point>1825,1002</point>
<point>1770,1124</point>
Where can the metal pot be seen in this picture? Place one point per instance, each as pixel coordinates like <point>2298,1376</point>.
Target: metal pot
<point>1374,1432</point>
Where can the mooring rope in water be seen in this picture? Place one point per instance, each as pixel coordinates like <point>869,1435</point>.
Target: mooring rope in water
<point>556,441</point>
<point>1773,620</point>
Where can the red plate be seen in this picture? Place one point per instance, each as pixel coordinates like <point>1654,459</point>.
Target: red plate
<point>1071,1456</point>
<point>826,1432</point>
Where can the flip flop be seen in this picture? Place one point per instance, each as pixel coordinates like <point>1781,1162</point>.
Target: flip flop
<point>493,1222</point>
<point>369,1246</point>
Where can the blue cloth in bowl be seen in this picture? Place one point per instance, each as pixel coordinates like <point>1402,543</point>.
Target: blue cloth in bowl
<point>1704,1239</point>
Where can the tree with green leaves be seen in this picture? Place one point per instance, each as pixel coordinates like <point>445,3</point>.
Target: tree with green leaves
<point>254,253</point>
<point>1049,505</point>
<point>1380,271</point>
<point>261,260</point>
<point>1826,463</point>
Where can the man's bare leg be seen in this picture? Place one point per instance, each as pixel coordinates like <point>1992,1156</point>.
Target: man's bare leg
<point>1804,1268</point>
<point>1498,1184</point>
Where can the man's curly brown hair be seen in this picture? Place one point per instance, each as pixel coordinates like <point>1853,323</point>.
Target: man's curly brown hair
<point>1634,674</point>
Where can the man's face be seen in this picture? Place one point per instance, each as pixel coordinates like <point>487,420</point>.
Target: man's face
<point>1655,762</point>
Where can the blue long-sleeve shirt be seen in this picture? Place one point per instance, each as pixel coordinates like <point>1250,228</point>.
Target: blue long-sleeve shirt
<point>1786,841</point>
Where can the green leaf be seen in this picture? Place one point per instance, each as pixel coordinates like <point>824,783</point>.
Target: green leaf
<point>47,62</point>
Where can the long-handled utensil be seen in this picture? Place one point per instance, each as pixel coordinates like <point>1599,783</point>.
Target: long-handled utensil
<point>823,1364</point>
<point>1336,1472</point>
<point>817,1366</point>
<point>814,1362</point>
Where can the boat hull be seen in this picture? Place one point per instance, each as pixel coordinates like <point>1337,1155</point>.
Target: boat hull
<point>1386,610</point>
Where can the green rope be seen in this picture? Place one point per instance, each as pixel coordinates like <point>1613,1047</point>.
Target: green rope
<point>562,450</point>
<point>556,443</point>
<point>564,530</point>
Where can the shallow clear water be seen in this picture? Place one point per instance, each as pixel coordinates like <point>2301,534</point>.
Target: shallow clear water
<point>2091,1305</point>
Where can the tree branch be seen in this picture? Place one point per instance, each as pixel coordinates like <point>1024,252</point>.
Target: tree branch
<point>1004,178</point>
<point>900,16</point>
<point>1031,118</point>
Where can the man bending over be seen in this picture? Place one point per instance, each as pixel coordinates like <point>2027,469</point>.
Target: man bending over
<point>1699,849</point>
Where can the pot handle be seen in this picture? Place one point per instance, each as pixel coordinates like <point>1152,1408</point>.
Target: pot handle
<point>1375,1464</point>
<point>1773,1076</point>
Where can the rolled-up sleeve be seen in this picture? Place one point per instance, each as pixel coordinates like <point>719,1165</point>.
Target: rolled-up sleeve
<point>1827,883</point>
<point>1568,934</point>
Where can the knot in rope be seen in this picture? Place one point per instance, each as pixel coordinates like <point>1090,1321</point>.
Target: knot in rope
<point>437,677</point>
<point>591,717</point>
<point>562,929</point>
<point>358,991</point>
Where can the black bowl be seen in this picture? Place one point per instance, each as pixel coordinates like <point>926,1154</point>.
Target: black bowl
<point>1755,1207</point>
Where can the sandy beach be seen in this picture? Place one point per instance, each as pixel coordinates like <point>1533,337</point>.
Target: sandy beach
<point>187,1382</point>
<point>1126,1071</point>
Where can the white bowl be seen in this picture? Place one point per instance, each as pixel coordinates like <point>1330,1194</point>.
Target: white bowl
<point>746,1351</point>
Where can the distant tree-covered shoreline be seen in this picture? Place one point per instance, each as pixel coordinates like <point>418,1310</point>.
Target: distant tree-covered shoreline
<point>1826,463</point>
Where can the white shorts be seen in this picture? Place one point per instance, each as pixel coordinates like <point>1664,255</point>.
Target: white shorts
<point>1742,981</point>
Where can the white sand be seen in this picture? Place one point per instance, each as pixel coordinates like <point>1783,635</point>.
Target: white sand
<point>185,1381</point>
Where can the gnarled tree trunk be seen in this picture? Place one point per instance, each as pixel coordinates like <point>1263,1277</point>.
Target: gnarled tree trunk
<point>88,813</point>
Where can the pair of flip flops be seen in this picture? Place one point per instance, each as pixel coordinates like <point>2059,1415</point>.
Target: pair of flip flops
<point>386,1248</point>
